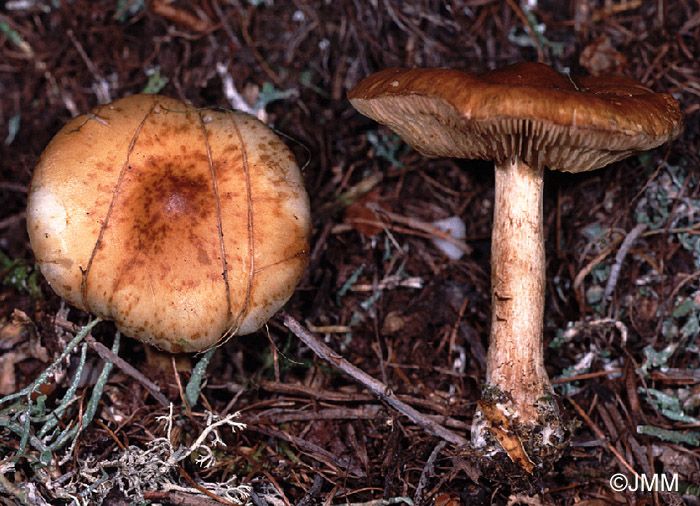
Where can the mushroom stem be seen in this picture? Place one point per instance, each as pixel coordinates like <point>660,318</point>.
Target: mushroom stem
<point>518,412</point>
<point>515,362</point>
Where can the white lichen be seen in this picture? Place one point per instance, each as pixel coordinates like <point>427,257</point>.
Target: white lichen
<point>136,470</point>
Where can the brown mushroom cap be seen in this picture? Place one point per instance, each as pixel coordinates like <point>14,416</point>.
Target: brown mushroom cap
<point>182,225</point>
<point>526,110</point>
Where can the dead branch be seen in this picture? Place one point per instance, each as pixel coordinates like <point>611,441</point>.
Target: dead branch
<point>377,387</point>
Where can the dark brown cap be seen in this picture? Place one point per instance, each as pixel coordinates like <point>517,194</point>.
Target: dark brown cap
<point>180,224</point>
<point>526,110</point>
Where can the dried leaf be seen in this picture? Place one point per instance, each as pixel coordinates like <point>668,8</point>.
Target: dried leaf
<point>502,429</point>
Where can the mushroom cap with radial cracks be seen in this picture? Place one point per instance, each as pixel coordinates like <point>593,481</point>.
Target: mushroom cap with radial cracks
<point>182,225</point>
<point>527,111</point>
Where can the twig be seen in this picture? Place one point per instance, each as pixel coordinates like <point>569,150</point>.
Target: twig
<point>179,498</point>
<point>179,386</point>
<point>223,19</point>
<point>372,384</point>
<point>686,279</point>
<point>282,416</point>
<point>180,16</point>
<point>244,18</point>
<point>620,257</point>
<point>593,263</point>
<point>315,489</point>
<point>277,487</point>
<point>18,493</point>
<point>382,502</point>
<point>311,449</point>
<point>602,436</point>
<point>111,433</point>
<point>414,223</point>
<point>11,220</point>
<point>453,333</point>
<point>428,472</point>
<point>101,87</point>
<point>585,376</point>
<point>333,396</point>
<point>200,488</point>
<point>528,24</point>
<point>106,354</point>
<point>14,187</point>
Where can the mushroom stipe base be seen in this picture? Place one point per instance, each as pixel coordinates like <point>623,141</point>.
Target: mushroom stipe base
<point>498,427</point>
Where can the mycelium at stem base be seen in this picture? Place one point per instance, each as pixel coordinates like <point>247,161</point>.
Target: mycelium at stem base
<point>518,408</point>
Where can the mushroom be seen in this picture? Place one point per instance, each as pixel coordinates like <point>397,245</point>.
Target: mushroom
<point>184,226</point>
<point>524,117</point>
